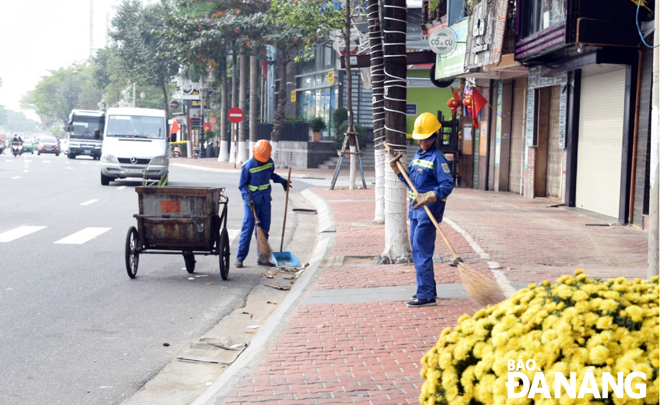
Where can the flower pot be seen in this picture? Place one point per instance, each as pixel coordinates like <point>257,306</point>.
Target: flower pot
<point>316,136</point>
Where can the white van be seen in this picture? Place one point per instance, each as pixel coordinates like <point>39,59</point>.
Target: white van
<point>134,141</point>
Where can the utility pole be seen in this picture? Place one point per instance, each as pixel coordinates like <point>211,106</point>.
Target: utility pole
<point>654,198</point>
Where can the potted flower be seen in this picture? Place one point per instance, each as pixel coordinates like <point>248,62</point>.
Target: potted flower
<point>317,125</point>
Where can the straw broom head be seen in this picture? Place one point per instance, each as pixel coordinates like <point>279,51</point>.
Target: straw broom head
<point>481,289</point>
<point>264,248</point>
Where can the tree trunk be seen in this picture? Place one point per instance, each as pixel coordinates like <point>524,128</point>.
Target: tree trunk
<point>223,156</point>
<point>167,111</point>
<point>242,104</point>
<point>377,79</point>
<point>278,118</point>
<point>349,97</point>
<point>233,132</point>
<point>397,244</point>
<point>254,100</point>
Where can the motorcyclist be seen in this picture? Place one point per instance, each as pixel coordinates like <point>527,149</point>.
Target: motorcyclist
<point>17,144</point>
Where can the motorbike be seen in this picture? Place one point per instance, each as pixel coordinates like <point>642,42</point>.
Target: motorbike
<point>176,153</point>
<point>17,149</point>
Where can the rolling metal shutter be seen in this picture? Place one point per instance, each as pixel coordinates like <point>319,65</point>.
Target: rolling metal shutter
<point>517,136</point>
<point>600,141</point>
<point>553,172</point>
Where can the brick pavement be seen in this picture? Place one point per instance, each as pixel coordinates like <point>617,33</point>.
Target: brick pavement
<point>349,353</point>
<point>369,352</point>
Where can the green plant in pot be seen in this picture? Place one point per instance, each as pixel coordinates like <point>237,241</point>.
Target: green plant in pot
<point>317,125</point>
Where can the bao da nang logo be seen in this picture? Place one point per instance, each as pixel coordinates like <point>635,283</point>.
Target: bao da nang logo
<point>518,385</point>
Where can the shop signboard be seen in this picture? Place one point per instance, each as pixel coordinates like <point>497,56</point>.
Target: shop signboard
<point>453,63</point>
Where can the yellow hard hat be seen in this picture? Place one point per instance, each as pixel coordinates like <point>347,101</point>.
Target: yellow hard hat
<point>425,126</point>
<point>261,150</point>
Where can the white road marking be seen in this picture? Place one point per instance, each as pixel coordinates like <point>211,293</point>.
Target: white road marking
<point>19,232</point>
<point>121,187</point>
<point>233,233</point>
<point>46,161</point>
<point>16,177</point>
<point>25,171</point>
<point>69,167</point>
<point>89,202</point>
<point>83,236</point>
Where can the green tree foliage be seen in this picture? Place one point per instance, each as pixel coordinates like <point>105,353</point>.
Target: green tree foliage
<point>60,92</point>
<point>17,122</point>
<point>3,115</point>
<point>140,38</point>
<point>108,74</point>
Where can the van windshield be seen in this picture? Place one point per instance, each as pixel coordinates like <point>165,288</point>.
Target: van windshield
<point>135,126</point>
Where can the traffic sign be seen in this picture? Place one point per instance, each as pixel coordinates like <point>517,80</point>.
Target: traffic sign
<point>442,41</point>
<point>235,115</point>
<point>174,104</point>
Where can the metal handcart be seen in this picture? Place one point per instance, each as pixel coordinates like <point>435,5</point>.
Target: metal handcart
<point>180,220</point>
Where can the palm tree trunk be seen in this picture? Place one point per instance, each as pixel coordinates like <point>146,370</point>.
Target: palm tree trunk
<point>223,156</point>
<point>254,100</point>
<point>349,97</point>
<point>278,118</point>
<point>397,244</point>
<point>377,79</point>
<point>234,103</point>
<point>242,104</point>
<point>167,111</point>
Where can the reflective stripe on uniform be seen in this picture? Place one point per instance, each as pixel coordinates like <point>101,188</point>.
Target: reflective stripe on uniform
<point>423,163</point>
<point>260,168</point>
<point>261,187</point>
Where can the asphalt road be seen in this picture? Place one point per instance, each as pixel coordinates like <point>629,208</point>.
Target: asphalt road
<point>74,329</point>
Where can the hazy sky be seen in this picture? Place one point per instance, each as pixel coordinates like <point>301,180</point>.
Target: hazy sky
<point>41,35</point>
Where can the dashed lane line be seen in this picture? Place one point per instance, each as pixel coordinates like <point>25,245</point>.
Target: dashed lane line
<point>89,202</point>
<point>82,236</point>
<point>19,232</point>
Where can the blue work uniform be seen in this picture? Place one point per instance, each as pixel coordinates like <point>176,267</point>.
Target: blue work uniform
<point>428,171</point>
<point>254,184</point>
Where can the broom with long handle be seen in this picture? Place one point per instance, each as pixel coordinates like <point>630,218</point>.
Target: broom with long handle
<point>262,242</point>
<point>482,290</point>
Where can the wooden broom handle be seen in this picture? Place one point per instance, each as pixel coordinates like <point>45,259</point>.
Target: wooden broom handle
<point>286,205</point>
<point>428,211</point>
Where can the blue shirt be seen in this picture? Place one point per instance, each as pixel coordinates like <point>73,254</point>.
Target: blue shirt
<point>256,178</point>
<point>429,171</point>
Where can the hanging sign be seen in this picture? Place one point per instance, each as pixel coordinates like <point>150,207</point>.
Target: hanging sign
<point>442,41</point>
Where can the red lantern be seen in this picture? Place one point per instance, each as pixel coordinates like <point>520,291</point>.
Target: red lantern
<point>467,101</point>
<point>453,104</point>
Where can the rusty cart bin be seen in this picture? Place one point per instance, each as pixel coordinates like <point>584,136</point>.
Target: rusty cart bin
<point>179,220</point>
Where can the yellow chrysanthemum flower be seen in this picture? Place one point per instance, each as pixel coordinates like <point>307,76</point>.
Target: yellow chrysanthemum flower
<point>568,327</point>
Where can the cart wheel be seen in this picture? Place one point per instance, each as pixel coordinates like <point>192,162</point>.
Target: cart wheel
<point>132,254</point>
<point>224,254</point>
<point>189,258</point>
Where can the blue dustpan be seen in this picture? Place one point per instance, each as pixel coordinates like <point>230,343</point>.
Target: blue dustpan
<point>285,259</point>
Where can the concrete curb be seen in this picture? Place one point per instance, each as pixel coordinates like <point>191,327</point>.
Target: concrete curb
<point>278,320</point>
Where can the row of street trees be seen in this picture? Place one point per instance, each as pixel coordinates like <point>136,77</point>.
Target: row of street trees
<point>206,32</point>
<point>208,40</point>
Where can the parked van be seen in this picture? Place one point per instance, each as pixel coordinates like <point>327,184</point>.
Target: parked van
<point>135,144</point>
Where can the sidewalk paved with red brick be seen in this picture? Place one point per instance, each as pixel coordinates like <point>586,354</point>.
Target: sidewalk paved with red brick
<point>369,352</point>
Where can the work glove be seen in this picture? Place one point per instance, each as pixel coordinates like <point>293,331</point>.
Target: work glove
<point>393,159</point>
<point>250,203</point>
<point>286,184</point>
<point>424,198</point>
